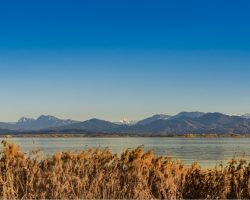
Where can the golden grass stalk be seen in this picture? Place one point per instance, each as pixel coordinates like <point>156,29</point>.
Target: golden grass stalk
<point>99,174</point>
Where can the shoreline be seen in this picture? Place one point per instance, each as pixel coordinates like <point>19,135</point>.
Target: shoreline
<point>103,135</point>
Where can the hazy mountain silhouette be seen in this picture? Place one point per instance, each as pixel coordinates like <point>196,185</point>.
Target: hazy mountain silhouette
<point>8,126</point>
<point>42,122</point>
<point>153,118</point>
<point>193,122</point>
<point>92,125</point>
<point>247,116</point>
<point>188,115</point>
<point>184,122</point>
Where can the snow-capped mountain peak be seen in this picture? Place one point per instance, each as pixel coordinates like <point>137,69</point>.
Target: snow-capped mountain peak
<point>126,122</point>
<point>25,120</point>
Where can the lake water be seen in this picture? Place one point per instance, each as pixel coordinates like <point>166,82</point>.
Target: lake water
<point>208,151</point>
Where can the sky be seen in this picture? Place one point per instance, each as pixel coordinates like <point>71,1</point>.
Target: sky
<point>123,59</point>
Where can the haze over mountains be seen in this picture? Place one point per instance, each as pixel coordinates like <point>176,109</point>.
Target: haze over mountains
<point>182,123</point>
<point>41,122</point>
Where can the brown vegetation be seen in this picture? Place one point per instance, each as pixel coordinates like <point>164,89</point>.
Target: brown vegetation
<point>99,174</point>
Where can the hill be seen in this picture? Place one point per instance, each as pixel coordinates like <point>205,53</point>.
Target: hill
<point>182,123</point>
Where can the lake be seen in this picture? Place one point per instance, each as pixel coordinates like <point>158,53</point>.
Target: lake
<point>208,151</point>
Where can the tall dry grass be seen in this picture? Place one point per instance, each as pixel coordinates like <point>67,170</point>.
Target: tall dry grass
<point>99,174</point>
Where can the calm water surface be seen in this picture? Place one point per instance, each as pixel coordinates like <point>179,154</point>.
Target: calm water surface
<point>208,151</point>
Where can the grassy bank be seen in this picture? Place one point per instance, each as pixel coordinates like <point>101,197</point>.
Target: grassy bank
<point>99,174</point>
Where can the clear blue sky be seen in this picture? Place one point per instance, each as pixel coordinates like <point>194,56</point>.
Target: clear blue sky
<point>117,59</point>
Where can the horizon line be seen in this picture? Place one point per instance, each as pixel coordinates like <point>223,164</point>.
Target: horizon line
<point>119,120</point>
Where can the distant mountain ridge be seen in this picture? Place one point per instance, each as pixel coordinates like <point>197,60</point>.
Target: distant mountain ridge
<point>153,118</point>
<point>160,124</point>
<point>94,125</point>
<point>42,122</point>
<point>188,115</point>
<point>126,122</point>
<point>247,116</point>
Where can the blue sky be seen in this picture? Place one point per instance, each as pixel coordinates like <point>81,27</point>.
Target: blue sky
<point>123,59</point>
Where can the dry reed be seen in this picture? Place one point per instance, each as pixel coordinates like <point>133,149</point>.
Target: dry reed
<point>99,174</point>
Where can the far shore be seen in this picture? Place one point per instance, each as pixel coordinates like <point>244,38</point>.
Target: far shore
<point>107,135</point>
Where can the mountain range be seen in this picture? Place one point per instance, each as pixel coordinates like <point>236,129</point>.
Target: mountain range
<point>40,123</point>
<point>182,123</point>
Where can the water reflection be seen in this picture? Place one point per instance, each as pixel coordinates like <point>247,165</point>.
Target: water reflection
<point>208,151</point>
